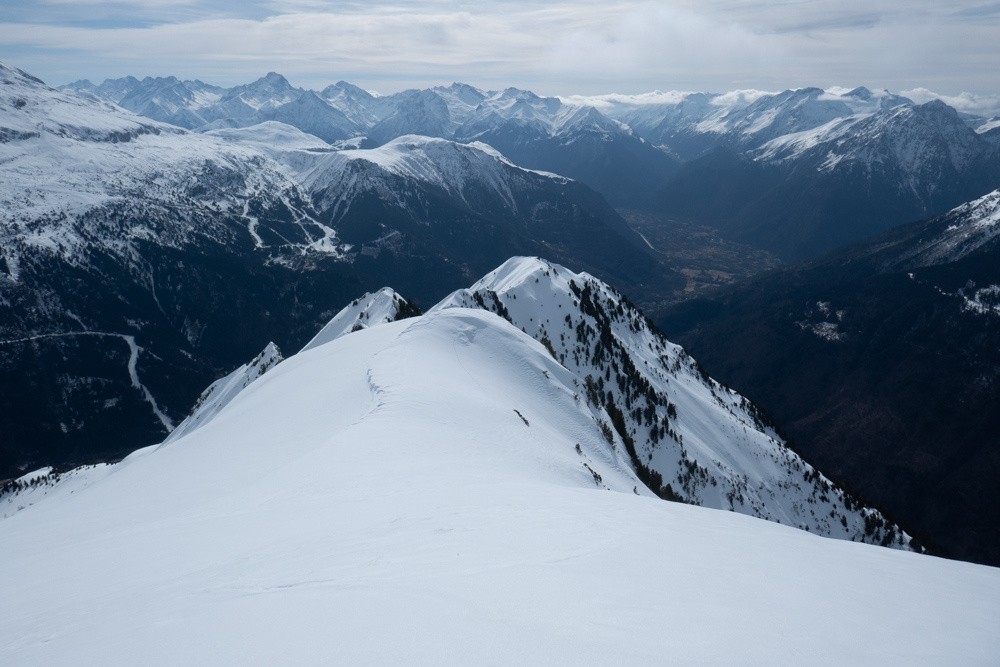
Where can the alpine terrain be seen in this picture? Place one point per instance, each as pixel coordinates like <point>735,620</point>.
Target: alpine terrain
<point>438,488</point>
<point>140,261</point>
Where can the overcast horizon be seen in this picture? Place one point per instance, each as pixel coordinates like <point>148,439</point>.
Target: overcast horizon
<point>555,48</point>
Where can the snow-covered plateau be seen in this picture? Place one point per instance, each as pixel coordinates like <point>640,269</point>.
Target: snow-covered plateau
<point>435,490</point>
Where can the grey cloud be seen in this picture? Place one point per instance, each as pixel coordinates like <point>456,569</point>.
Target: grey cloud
<point>557,46</point>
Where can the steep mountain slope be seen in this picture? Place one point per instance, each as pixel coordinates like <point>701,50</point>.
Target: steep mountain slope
<point>881,363</point>
<point>434,484</point>
<point>689,438</point>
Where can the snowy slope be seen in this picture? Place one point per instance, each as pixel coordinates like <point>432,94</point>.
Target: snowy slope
<point>698,441</point>
<point>431,491</point>
<point>446,166</point>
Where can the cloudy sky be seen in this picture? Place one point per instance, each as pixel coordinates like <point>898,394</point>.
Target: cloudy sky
<point>555,47</point>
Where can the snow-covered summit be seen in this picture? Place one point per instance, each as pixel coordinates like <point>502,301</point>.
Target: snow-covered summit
<point>464,171</point>
<point>688,437</point>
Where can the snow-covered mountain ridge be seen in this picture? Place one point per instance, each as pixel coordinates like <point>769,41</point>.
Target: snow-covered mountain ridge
<point>968,228</point>
<point>439,487</point>
<point>688,438</point>
<point>542,133</point>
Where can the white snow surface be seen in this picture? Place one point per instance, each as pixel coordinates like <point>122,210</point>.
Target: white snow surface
<point>380,499</point>
<point>452,167</point>
<point>272,135</point>
<point>440,162</point>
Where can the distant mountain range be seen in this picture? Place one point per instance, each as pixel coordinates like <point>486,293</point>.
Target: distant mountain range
<point>797,173</point>
<point>881,363</point>
<point>535,132</point>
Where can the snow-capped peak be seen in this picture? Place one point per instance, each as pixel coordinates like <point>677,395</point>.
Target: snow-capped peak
<point>374,308</point>
<point>688,437</point>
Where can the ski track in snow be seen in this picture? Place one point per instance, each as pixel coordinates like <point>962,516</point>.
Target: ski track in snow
<point>133,360</point>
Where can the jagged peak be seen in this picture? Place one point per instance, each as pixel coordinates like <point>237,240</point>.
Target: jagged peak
<point>160,80</point>
<point>689,437</point>
<point>274,77</point>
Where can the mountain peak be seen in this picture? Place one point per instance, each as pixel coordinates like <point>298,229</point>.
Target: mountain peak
<point>516,271</point>
<point>348,88</point>
<point>689,438</point>
<point>374,308</point>
<point>860,92</point>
